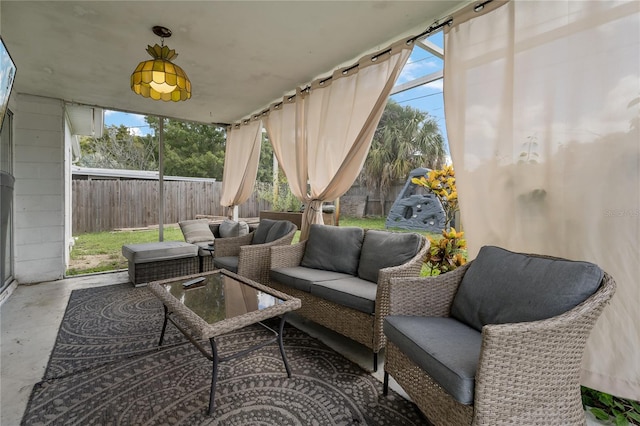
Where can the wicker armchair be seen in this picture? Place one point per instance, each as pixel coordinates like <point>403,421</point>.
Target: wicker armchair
<point>527,373</point>
<point>249,255</point>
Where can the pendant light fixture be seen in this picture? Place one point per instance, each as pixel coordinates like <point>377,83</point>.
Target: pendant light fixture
<point>159,78</point>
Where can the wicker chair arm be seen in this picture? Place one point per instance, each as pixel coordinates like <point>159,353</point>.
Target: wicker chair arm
<point>230,246</point>
<point>425,296</point>
<point>530,356</point>
<point>408,269</point>
<point>287,256</point>
<point>254,260</point>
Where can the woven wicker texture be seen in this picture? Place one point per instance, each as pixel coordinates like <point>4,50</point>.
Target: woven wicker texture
<point>528,373</point>
<point>253,260</point>
<point>201,329</point>
<point>359,326</point>
<point>207,263</point>
<point>146,272</point>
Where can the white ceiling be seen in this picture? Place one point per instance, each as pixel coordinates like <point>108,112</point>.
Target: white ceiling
<point>239,55</point>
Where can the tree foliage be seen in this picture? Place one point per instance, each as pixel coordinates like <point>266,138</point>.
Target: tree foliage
<point>406,138</point>
<point>265,167</point>
<point>118,149</point>
<point>191,149</point>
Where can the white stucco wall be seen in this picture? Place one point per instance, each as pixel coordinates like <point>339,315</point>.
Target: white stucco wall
<point>39,207</point>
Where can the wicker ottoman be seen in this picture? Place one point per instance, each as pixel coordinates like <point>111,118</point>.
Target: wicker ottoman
<point>161,260</point>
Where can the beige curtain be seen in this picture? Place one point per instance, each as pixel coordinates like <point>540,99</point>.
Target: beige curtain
<point>541,101</point>
<point>241,159</point>
<point>323,134</point>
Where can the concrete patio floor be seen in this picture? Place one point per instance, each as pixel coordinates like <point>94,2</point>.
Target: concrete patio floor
<point>31,316</point>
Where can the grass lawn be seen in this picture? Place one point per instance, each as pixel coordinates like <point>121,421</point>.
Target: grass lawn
<point>102,251</point>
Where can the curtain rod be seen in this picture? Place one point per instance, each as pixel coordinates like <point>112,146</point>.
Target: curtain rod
<point>433,27</point>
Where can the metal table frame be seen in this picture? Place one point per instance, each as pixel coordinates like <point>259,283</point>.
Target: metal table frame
<point>173,308</point>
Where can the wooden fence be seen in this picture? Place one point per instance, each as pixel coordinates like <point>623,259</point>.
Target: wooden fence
<point>105,205</point>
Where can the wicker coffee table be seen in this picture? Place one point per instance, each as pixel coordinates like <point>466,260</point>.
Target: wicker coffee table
<point>220,303</point>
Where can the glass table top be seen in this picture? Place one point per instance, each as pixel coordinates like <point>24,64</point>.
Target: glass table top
<point>220,297</point>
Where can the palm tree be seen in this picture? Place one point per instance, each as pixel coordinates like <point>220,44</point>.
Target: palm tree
<point>406,138</point>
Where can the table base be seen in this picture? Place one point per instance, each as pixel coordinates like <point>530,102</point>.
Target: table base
<point>216,359</point>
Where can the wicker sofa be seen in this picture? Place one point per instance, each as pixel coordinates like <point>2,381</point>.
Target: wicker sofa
<point>497,341</point>
<point>341,275</point>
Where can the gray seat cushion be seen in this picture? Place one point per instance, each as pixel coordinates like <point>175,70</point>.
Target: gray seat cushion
<point>382,249</point>
<point>158,251</point>
<point>196,231</point>
<point>230,263</point>
<point>505,287</point>
<point>302,278</point>
<point>447,350</point>
<point>333,248</point>
<point>352,292</point>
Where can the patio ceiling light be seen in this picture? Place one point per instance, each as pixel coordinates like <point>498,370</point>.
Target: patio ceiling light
<point>159,78</point>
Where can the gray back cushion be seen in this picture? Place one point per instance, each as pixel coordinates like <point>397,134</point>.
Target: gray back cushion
<point>260,235</point>
<point>505,287</point>
<point>196,231</point>
<point>382,249</point>
<point>278,230</point>
<point>333,248</point>
<point>231,228</point>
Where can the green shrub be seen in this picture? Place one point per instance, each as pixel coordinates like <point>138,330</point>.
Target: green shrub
<point>603,406</point>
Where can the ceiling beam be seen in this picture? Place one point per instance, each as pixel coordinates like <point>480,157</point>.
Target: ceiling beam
<point>417,82</point>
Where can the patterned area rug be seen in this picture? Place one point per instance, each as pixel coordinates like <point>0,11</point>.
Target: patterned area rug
<point>106,369</point>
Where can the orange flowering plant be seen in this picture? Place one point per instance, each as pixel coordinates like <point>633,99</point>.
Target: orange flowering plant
<point>448,252</point>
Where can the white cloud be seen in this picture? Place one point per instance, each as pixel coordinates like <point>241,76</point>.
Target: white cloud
<point>136,131</point>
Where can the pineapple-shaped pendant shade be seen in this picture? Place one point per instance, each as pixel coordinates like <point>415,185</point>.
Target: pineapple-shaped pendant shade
<point>159,78</point>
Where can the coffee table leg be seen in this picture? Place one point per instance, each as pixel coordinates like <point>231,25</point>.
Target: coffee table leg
<point>281,344</point>
<point>214,376</point>
<point>164,325</point>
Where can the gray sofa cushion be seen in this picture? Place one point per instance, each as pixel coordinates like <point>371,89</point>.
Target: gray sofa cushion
<point>352,292</point>
<point>196,231</point>
<point>230,263</point>
<point>302,278</point>
<point>158,251</point>
<point>333,248</point>
<point>382,249</point>
<point>260,236</point>
<point>447,350</point>
<point>505,287</point>
<point>230,228</point>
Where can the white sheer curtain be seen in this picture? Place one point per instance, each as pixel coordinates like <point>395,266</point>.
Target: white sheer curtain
<point>241,159</point>
<point>323,134</point>
<point>541,100</point>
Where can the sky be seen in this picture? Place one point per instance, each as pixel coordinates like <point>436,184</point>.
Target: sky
<point>426,98</point>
